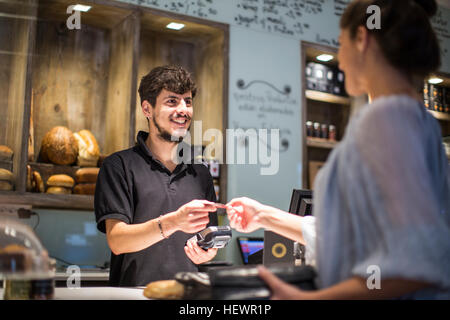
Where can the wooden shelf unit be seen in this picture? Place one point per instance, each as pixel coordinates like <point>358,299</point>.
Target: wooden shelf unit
<point>326,97</point>
<point>88,79</point>
<point>321,107</point>
<point>442,117</point>
<point>320,143</point>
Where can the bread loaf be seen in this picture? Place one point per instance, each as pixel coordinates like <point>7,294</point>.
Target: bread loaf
<point>6,186</point>
<point>16,258</point>
<point>59,146</point>
<point>164,289</point>
<point>60,180</point>
<point>6,180</point>
<point>59,190</point>
<point>6,175</point>
<point>86,175</point>
<point>13,248</point>
<point>88,151</point>
<point>84,188</point>
<point>38,183</point>
<point>29,179</point>
<point>6,153</point>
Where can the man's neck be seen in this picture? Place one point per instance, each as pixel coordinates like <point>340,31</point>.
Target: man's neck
<point>162,150</point>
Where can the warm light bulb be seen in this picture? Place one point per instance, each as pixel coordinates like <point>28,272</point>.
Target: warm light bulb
<point>435,80</point>
<point>325,57</point>
<point>175,26</point>
<point>81,7</point>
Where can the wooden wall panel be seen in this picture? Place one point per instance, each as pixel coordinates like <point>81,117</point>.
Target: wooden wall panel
<point>15,49</point>
<point>119,103</point>
<point>6,56</point>
<point>70,78</point>
<point>209,71</point>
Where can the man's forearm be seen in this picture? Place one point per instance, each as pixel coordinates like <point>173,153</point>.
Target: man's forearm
<point>125,238</point>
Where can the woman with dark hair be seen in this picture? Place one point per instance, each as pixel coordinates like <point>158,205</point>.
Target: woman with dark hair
<point>382,200</point>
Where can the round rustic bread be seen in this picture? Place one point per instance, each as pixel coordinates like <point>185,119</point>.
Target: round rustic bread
<point>60,180</point>
<point>88,150</point>
<point>164,289</point>
<point>59,146</point>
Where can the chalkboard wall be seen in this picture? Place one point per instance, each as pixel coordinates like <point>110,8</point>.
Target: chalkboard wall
<point>311,20</point>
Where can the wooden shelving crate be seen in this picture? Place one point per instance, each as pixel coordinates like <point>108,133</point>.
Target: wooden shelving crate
<point>88,79</point>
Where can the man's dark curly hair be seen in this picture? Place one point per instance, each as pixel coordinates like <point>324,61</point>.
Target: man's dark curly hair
<point>172,78</point>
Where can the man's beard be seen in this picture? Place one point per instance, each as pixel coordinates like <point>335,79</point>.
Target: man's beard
<point>165,135</point>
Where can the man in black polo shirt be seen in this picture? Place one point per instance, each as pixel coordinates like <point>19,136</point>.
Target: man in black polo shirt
<point>146,203</point>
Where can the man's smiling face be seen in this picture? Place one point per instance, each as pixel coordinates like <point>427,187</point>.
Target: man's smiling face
<point>172,115</point>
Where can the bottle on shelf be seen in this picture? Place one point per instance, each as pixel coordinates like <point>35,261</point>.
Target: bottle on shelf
<point>309,128</point>
<point>316,130</point>
<point>324,131</point>
<point>332,132</point>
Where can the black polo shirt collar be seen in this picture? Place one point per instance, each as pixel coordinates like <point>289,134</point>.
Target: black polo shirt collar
<point>148,156</point>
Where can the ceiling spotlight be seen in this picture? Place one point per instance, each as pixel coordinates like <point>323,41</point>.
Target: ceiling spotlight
<point>81,7</point>
<point>435,80</point>
<point>175,26</point>
<point>325,57</point>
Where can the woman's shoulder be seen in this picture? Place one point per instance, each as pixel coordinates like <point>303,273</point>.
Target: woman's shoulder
<point>392,113</point>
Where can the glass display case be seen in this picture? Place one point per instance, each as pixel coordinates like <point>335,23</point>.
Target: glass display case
<point>25,267</point>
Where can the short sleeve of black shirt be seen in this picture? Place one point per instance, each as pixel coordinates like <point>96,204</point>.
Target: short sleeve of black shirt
<point>113,196</point>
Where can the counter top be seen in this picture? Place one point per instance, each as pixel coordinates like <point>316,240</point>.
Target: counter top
<point>85,275</point>
<point>97,293</point>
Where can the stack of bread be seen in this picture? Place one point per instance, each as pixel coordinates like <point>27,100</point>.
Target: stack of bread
<point>6,154</point>
<point>88,150</point>
<point>60,184</point>
<point>86,179</point>
<point>6,180</point>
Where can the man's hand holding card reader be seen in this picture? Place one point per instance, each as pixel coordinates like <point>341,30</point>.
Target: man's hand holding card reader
<point>213,237</point>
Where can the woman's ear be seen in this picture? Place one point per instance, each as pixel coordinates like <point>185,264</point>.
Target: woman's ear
<point>362,39</point>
